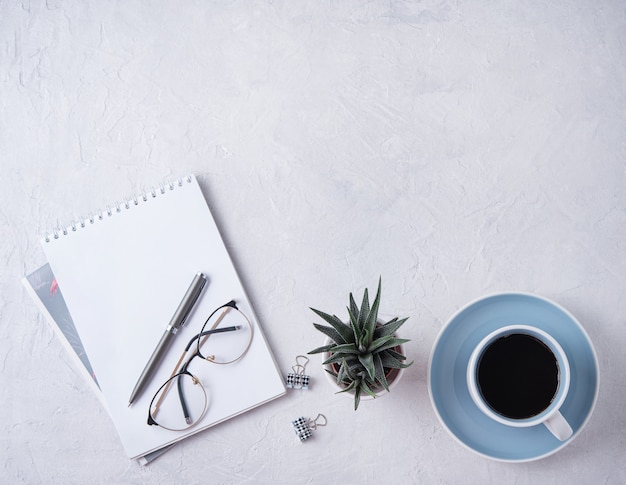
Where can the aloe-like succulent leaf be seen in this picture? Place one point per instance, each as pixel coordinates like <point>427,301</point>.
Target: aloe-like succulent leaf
<point>364,311</point>
<point>393,342</point>
<point>366,387</point>
<point>352,367</point>
<point>319,350</point>
<point>332,373</point>
<point>333,359</point>
<point>380,372</point>
<point>395,354</point>
<point>389,328</point>
<point>350,358</point>
<point>354,309</point>
<point>342,374</point>
<point>372,315</point>
<point>391,362</point>
<point>330,333</point>
<point>344,333</point>
<point>367,360</point>
<point>355,367</point>
<point>354,324</point>
<point>353,386</point>
<point>357,395</point>
<point>378,343</point>
<point>345,349</point>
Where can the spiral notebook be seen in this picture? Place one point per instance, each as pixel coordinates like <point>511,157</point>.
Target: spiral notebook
<point>123,273</point>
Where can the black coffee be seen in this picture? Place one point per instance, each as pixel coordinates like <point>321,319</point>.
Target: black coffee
<point>518,376</point>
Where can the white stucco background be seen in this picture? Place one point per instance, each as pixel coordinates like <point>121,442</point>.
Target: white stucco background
<point>454,148</point>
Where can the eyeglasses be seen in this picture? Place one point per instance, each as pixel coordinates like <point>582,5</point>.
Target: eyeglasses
<point>224,339</point>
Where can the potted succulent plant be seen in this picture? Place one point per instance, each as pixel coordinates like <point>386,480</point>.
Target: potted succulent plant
<point>364,355</point>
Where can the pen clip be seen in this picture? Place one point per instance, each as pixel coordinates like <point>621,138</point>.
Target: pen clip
<point>189,301</point>
<point>194,300</point>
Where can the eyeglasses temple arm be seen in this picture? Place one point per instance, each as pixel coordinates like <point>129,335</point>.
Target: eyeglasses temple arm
<point>157,405</point>
<point>217,322</point>
<point>181,396</point>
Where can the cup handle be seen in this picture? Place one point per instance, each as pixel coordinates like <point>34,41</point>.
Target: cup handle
<point>558,426</point>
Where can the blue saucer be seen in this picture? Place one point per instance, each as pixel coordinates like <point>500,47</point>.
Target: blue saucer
<point>447,383</point>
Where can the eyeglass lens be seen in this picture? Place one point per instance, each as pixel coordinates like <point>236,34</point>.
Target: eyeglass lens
<point>180,403</point>
<point>226,347</point>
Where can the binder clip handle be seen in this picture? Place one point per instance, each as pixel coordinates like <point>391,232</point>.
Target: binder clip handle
<point>320,420</point>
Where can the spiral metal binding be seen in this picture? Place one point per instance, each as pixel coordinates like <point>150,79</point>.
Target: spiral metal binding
<point>115,208</point>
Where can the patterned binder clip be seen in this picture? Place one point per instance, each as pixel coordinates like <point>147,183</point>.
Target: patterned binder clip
<point>298,379</point>
<point>304,427</point>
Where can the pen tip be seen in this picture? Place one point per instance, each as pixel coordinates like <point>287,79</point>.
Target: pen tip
<point>130,404</point>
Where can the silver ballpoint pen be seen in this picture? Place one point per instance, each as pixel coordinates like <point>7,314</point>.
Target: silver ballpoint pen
<point>177,321</point>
